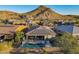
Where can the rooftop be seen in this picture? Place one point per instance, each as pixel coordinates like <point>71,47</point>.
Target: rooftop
<point>8,29</point>
<point>41,30</point>
<point>68,28</point>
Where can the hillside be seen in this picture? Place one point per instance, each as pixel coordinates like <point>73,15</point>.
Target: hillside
<point>42,12</point>
<point>9,15</point>
<point>75,16</point>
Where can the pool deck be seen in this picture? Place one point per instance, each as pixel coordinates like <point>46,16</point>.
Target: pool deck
<point>44,50</point>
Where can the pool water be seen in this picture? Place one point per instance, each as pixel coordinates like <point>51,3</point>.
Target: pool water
<point>27,45</point>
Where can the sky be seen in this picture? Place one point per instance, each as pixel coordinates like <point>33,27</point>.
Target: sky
<point>61,9</point>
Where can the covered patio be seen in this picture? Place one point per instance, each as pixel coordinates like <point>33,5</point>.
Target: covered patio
<point>40,34</point>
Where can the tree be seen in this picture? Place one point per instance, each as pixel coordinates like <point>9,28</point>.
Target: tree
<point>68,43</point>
<point>19,36</point>
<point>6,21</point>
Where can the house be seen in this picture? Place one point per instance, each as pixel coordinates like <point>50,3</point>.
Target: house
<point>19,23</point>
<point>8,31</point>
<point>74,30</point>
<point>40,33</point>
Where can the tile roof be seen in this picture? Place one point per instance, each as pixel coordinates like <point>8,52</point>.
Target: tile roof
<point>42,30</point>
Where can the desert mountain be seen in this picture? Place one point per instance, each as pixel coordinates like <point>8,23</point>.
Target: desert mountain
<point>9,15</point>
<point>42,12</point>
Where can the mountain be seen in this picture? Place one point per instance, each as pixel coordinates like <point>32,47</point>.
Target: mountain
<point>40,13</point>
<point>43,12</point>
<point>9,15</point>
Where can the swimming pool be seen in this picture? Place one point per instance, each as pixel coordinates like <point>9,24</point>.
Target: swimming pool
<point>27,45</point>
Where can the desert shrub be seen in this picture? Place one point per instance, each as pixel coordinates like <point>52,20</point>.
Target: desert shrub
<point>68,43</point>
<point>5,47</point>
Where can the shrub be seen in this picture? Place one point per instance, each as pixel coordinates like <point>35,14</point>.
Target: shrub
<point>68,43</point>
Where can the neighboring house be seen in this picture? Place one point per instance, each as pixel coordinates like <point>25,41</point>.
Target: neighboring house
<point>19,23</point>
<point>40,33</point>
<point>8,31</point>
<point>74,30</point>
<point>16,22</point>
